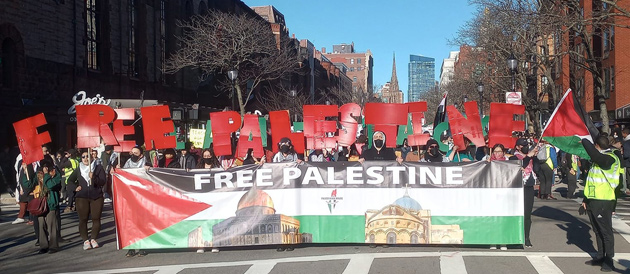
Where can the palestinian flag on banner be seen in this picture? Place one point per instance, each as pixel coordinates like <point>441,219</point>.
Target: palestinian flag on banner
<point>440,113</point>
<point>147,212</point>
<point>568,125</point>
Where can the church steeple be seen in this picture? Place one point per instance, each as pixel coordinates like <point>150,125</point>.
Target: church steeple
<point>393,83</point>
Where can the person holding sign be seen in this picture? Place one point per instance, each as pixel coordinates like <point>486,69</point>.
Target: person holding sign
<point>433,153</point>
<point>88,181</point>
<point>137,159</point>
<point>287,152</point>
<point>48,227</point>
<point>378,151</point>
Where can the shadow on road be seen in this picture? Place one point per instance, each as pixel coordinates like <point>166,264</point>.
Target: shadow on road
<point>578,232</point>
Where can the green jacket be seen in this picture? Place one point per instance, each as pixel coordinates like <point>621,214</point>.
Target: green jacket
<point>52,185</point>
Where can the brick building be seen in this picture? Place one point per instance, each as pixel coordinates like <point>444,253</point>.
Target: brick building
<point>360,65</point>
<point>51,50</point>
<point>609,46</point>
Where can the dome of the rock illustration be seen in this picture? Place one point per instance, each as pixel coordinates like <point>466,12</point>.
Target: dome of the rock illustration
<point>255,201</point>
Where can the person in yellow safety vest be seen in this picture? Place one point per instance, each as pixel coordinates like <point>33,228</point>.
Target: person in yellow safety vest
<point>571,162</point>
<point>599,198</point>
<point>69,163</point>
<point>548,162</point>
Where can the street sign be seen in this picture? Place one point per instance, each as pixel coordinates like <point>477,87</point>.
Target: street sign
<point>513,98</point>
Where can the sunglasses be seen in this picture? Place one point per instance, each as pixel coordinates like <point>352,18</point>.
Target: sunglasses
<point>85,156</point>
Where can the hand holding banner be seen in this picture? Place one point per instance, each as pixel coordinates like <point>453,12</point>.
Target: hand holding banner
<point>29,141</point>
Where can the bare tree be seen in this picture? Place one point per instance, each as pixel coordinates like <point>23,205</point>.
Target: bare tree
<point>281,98</point>
<point>220,42</point>
<point>340,96</point>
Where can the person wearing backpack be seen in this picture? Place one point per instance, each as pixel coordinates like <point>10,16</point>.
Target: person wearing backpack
<point>548,162</point>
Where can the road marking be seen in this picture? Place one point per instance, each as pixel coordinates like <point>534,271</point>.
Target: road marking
<point>618,256</point>
<point>452,264</point>
<point>543,264</point>
<point>359,264</point>
<point>170,269</point>
<point>261,268</point>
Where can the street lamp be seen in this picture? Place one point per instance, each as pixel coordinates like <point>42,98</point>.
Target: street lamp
<point>512,64</point>
<point>480,90</point>
<point>465,98</point>
<point>233,74</point>
<point>295,115</point>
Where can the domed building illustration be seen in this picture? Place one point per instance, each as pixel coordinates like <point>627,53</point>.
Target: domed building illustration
<point>405,222</point>
<point>256,223</point>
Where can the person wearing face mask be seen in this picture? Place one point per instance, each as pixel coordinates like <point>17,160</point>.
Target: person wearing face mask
<point>88,181</point>
<point>169,160</point>
<point>529,161</point>
<point>433,153</point>
<point>457,155</point>
<point>379,151</point>
<point>187,160</point>
<point>136,160</point>
<point>208,160</point>
<point>286,153</point>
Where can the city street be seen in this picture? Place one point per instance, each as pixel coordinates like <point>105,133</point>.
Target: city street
<point>562,241</point>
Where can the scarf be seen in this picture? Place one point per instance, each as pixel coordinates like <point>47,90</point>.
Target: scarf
<point>498,158</point>
<point>85,172</point>
<point>528,170</point>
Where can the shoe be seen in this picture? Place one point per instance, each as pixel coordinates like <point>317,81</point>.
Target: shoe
<point>290,248</point>
<point>17,221</point>
<point>42,251</point>
<point>551,197</point>
<point>108,200</point>
<point>606,267</point>
<point>528,243</point>
<point>215,250</point>
<point>200,250</point>
<point>37,243</point>
<point>595,262</point>
<point>87,245</point>
<point>52,251</point>
<point>503,247</point>
<point>130,253</point>
<point>493,247</point>
<point>142,253</point>
<point>29,223</point>
<point>94,243</point>
<point>280,249</point>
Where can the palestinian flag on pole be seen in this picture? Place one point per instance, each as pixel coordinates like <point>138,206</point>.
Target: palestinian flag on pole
<point>440,113</point>
<point>147,212</point>
<point>568,125</point>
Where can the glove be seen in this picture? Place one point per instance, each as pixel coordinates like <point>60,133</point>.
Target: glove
<point>581,210</point>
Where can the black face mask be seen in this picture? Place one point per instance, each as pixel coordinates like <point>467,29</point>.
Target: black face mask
<point>207,161</point>
<point>135,158</point>
<point>433,151</point>
<point>378,143</point>
<point>285,149</point>
<point>525,149</point>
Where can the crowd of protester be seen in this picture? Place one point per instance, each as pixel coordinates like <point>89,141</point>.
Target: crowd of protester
<point>80,181</point>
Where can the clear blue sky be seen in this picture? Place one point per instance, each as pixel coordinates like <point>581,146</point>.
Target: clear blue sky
<point>420,27</point>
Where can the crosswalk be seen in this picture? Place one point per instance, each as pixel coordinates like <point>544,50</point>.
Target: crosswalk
<point>452,262</point>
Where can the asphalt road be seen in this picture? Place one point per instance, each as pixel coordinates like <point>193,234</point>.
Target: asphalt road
<point>562,241</point>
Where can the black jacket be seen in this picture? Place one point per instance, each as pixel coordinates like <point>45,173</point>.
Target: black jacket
<point>383,155</point>
<point>93,191</point>
<point>187,162</point>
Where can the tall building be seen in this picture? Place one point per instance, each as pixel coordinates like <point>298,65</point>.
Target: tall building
<point>390,92</point>
<point>448,68</point>
<point>360,65</point>
<point>421,76</point>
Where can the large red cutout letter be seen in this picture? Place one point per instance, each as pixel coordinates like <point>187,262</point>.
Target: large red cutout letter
<point>157,125</point>
<point>29,141</point>
<point>316,127</point>
<point>281,127</point>
<point>469,127</point>
<point>502,123</point>
<point>120,130</point>
<point>93,123</point>
<point>223,125</point>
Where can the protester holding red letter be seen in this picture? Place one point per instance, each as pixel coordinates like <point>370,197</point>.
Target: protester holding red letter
<point>88,181</point>
<point>48,226</point>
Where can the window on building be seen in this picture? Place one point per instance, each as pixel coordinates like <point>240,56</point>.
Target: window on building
<point>351,61</point>
<point>612,79</point>
<point>163,5</point>
<point>8,63</point>
<point>131,65</point>
<point>351,69</point>
<point>358,60</point>
<point>354,79</point>
<point>91,28</point>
